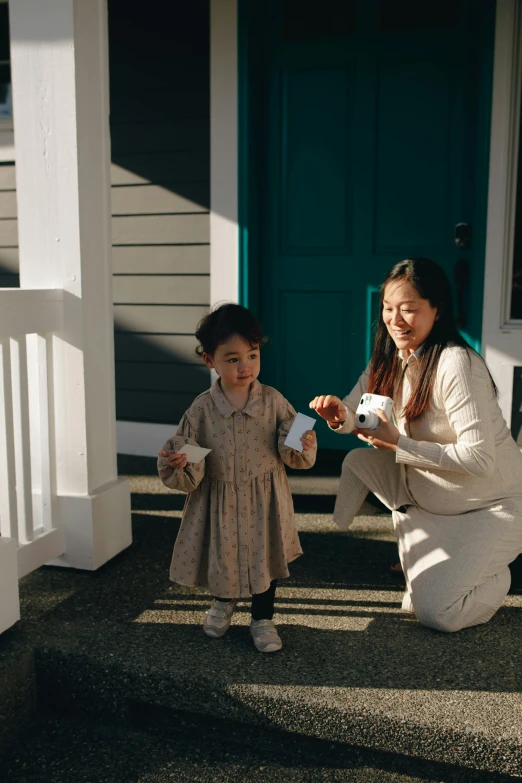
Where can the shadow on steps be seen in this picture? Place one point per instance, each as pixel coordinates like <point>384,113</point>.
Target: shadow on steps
<point>156,745</point>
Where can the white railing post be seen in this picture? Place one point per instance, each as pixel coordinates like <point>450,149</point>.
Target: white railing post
<point>29,531</point>
<point>44,347</point>
<point>59,62</point>
<point>22,438</point>
<point>8,501</point>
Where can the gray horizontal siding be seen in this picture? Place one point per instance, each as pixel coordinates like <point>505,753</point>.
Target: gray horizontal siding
<point>160,167</point>
<point>178,134</point>
<point>8,206</point>
<point>158,348</point>
<point>161,289</point>
<point>160,176</point>
<point>7,176</point>
<point>184,378</point>
<point>165,407</point>
<point>158,199</point>
<point>9,262</point>
<point>8,232</point>
<point>161,259</point>
<point>9,281</point>
<point>160,202</point>
<point>182,102</point>
<point>158,229</point>
<point>166,319</point>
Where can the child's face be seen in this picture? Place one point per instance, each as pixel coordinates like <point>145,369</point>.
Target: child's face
<point>236,362</point>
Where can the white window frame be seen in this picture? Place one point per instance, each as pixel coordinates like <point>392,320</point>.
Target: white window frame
<point>501,335</point>
<point>513,142</point>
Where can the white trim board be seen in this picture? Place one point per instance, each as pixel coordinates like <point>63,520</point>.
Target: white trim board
<point>224,230</point>
<point>142,439</point>
<point>502,342</point>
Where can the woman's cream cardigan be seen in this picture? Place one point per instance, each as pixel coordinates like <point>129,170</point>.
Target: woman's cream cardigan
<point>459,456</point>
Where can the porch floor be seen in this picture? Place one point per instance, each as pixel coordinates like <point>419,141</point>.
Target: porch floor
<point>354,669</point>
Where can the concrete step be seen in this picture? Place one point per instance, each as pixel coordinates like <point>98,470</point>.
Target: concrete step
<point>17,687</point>
<point>163,746</point>
<point>354,668</point>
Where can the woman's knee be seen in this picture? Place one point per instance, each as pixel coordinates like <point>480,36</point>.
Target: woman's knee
<point>437,612</point>
<point>449,612</point>
<point>449,618</point>
<point>439,620</point>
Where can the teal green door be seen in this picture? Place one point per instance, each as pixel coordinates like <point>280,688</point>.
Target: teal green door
<point>372,143</point>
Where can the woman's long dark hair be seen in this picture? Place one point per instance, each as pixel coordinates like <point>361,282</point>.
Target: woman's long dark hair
<point>431,283</point>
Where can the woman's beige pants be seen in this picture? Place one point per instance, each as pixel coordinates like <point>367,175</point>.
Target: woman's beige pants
<point>456,567</point>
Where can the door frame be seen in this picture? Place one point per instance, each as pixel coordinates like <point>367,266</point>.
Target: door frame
<point>233,265</point>
<point>502,338</point>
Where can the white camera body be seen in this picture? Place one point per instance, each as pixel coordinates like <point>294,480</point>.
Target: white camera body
<point>365,415</point>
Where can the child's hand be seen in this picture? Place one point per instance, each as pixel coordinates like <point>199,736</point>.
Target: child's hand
<point>175,459</point>
<point>309,440</point>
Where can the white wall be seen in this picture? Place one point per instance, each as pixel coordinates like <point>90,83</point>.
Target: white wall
<point>502,339</point>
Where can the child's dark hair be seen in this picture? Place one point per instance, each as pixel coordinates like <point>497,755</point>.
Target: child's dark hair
<point>225,321</point>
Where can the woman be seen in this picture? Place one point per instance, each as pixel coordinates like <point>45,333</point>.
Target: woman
<point>448,467</point>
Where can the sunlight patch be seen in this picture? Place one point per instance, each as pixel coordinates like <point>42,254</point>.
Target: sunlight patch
<point>345,622</point>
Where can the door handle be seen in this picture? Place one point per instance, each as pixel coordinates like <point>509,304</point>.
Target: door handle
<point>463,236</point>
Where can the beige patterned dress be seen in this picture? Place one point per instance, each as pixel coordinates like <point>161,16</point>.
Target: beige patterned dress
<point>238,530</point>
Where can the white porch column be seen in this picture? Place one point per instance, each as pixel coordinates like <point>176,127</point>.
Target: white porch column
<point>59,56</point>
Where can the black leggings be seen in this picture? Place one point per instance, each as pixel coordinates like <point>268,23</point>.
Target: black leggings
<point>262,603</point>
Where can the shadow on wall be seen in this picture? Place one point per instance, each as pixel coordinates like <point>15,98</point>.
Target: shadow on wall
<point>160,136</point>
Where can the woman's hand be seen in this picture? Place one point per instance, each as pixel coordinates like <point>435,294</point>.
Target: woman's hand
<point>309,440</point>
<point>175,459</point>
<point>329,408</point>
<point>385,437</point>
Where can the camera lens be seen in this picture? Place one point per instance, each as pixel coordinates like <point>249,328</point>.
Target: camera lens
<point>362,418</point>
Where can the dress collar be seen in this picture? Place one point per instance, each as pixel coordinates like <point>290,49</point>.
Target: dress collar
<point>227,410</point>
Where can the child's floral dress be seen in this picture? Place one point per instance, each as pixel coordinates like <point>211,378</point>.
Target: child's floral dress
<point>238,530</point>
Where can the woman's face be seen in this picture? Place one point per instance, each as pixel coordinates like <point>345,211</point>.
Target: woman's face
<point>408,318</point>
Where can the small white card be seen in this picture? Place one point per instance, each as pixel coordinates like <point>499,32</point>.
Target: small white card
<point>194,453</point>
<point>300,425</point>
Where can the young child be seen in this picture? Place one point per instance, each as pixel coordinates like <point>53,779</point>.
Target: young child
<point>238,533</point>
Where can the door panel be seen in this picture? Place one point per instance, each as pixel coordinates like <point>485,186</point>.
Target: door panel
<point>328,325</point>
<point>315,214</point>
<point>413,130</point>
<point>368,155</point>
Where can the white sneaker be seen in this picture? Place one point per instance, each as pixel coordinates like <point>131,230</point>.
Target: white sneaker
<point>265,636</point>
<point>217,619</point>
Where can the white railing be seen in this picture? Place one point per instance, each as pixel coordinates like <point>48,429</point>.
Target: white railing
<point>28,322</point>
